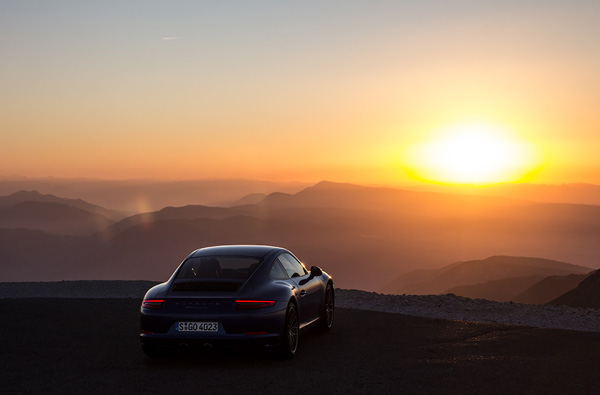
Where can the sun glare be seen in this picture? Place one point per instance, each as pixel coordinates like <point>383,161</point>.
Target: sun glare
<point>473,154</point>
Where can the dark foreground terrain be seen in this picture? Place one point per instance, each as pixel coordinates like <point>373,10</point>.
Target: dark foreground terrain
<point>91,346</point>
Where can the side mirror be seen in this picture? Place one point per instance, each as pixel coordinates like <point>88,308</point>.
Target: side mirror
<point>314,272</point>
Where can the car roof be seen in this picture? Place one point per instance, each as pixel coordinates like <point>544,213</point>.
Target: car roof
<point>239,250</point>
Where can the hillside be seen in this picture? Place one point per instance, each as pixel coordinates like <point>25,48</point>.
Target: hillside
<point>53,218</point>
<point>146,195</point>
<point>503,290</point>
<point>549,288</point>
<point>365,237</point>
<point>191,212</point>
<point>35,196</point>
<point>586,294</point>
<point>326,194</point>
<point>251,198</point>
<point>478,273</point>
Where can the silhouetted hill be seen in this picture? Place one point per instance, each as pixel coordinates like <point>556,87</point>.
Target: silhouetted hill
<point>252,198</point>
<point>172,213</point>
<point>338,195</point>
<point>499,290</point>
<point>586,294</point>
<point>52,218</point>
<point>139,196</point>
<point>549,288</point>
<point>365,237</point>
<point>35,196</point>
<point>479,272</point>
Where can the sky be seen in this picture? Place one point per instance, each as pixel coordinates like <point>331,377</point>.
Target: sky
<point>293,90</point>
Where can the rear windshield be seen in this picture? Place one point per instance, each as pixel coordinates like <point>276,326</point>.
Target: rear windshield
<point>219,267</point>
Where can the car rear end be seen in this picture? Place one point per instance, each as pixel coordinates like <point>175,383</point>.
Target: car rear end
<point>199,306</point>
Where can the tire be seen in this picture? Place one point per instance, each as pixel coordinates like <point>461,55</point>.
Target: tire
<point>291,332</point>
<point>328,312</point>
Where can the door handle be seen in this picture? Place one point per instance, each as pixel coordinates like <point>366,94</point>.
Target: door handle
<point>302,293</point>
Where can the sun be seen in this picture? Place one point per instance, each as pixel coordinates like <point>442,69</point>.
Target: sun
<point>472,154</point>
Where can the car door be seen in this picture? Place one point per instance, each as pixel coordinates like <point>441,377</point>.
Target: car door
<point>309,292</point>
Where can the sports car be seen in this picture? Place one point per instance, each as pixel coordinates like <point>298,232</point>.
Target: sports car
<point>236,293</point>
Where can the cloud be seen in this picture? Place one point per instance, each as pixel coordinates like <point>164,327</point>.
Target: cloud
<point>171,38</point>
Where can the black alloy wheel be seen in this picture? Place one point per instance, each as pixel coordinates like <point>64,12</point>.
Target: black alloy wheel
<point>289,344</point>
<point>327,313</point>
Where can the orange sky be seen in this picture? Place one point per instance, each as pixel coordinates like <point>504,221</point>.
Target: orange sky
<point>285,91</point>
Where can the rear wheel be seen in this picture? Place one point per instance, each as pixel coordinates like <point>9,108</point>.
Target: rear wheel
<point>291,332</point>
<point>327,314</point>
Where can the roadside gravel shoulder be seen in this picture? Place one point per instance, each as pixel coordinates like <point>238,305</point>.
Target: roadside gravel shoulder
<point>479,310</point>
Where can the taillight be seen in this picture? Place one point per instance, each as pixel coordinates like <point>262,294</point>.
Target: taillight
<point>253,304</point>
<point>152,303</point>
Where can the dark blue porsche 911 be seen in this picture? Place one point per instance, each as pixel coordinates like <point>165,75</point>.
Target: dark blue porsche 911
<point>223,293</point>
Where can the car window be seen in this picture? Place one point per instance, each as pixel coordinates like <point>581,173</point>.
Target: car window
<point>276,272</point>
<point>218,267</point>
<point>291,265</point>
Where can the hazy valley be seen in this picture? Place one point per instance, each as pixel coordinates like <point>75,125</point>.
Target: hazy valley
<point>374,239</point>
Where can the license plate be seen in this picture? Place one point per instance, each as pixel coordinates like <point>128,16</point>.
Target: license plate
<point>197,327</point>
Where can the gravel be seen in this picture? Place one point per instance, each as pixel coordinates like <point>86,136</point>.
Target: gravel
<point>434,306</point>
<point>480,310</point>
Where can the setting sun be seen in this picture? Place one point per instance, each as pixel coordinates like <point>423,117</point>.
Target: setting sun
<point>475,154</point>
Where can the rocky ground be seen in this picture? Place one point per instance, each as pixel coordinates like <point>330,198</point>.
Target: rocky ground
<point>479,310</point>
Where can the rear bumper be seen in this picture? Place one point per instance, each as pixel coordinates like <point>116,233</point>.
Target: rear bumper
<point>264,325</point>
<point>199,341</point>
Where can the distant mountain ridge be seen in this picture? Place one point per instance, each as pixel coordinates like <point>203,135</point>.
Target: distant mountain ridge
<point>344,195</point>
<point>33,210</point>
<point>504,275</point>
<point>137,196</point>
<point>363,236</point>
<point>550,288</point>
<point>189,213</point>
<point>252,198</point>
<point>35,196</point>
<point>503,290</point>
<point>53,218</point>
<point>586,294</point>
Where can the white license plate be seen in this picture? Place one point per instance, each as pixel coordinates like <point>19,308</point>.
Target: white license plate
<point>197,327</point>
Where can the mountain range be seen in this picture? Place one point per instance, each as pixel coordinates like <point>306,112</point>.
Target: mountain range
<point>137,196</point>
<point>48,213</point>
<point>364,236</point>
<point>586,294</point>
<point>499,278</point>
<point>550,288</point>
<point>35,196</point>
